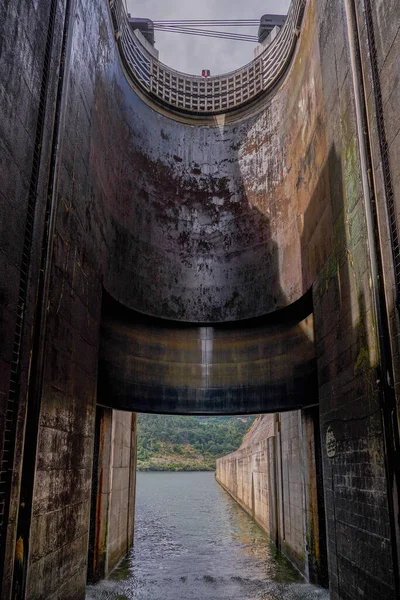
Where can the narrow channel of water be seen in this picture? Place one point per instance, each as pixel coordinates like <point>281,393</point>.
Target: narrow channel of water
<point>193,542</point>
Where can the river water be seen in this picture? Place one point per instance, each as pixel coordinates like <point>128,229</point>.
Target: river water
<point>193,542</point>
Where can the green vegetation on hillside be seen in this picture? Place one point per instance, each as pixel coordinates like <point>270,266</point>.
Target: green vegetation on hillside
<point>174,443</point>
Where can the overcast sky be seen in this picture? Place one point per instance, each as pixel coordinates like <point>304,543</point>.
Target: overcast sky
<point>191,54</point>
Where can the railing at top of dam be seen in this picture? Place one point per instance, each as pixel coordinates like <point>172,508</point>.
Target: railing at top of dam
<point>195,94</point>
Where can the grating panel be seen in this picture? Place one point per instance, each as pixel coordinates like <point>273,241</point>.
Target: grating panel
<point>228,91</point>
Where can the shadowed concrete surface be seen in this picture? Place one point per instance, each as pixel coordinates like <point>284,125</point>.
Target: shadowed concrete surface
<point>153,365</point>
<point>204,222</point>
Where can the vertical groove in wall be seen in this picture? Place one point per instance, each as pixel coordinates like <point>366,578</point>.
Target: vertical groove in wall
<point>303,463</point>
<point>94,500</point>
<point>110,485</point>
<point>384,147</point>
<point>323,551</point>
<point>7,463</point>
<point>131,482</point>
<point>40,322</point>
<point>279,434</point>
<point>253,499</point>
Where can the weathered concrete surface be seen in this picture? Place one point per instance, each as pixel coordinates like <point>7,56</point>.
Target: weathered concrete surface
<point>121,520</point>
<point>206,222</point>
<point>352,392</point>
<point>153,365</point>
<point>209,226</point>
<point>245,473</point>
<point>273,476</point>
<point>113,491</point>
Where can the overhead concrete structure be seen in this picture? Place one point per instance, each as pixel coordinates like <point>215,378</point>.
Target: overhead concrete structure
<point>160,366</point>
<point>213,209</point>
<point>196,95</point>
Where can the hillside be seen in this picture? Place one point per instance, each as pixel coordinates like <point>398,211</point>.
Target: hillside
<point>175,443</point>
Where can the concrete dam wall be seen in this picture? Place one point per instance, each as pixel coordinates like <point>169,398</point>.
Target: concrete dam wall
<point>187,259</point>
<point>112,514</point>
<point>276,477</point>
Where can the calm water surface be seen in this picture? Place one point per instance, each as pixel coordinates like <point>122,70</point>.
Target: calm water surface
<point>193,542</point>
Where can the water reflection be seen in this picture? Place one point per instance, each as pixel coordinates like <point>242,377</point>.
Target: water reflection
<point>193,542</point>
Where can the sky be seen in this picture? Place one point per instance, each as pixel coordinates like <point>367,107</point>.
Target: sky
<point>191,54</point>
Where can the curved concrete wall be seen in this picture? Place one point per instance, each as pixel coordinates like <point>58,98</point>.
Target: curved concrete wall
<point>207,222</point>
<point>152,365</point>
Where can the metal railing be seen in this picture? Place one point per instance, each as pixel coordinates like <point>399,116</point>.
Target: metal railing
<point>198,95</point>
